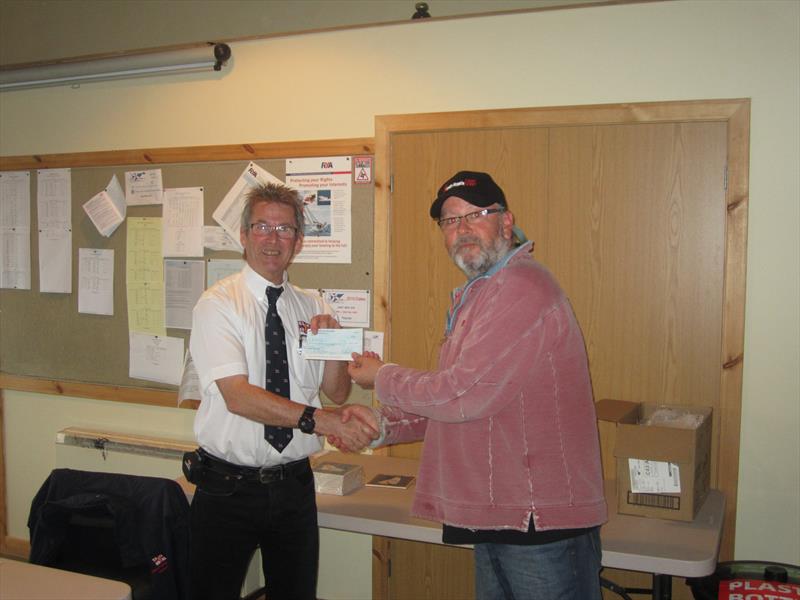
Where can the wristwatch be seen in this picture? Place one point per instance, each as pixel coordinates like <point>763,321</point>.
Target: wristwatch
<point>306,423</point>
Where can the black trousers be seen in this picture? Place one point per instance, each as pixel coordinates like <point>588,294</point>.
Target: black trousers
<point>279,517</point>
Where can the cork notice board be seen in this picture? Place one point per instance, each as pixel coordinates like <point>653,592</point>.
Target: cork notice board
<point>43,338</point>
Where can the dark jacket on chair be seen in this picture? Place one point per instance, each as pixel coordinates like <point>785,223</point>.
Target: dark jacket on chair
<point>150,517</point>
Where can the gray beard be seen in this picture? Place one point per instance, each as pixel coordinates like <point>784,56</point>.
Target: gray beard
<point>484,260</point>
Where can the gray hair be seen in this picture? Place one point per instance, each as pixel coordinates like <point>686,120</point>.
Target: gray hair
<point>277,193</point>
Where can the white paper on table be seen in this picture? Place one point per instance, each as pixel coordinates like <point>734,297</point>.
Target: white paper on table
<point>654,477</point>
<point>15,199</point>
<point>54,199</point>
<point>55,261</point>
<point>15,258</point>
<point>373,342</point>
<point>189,388</point>
<point>183,284</point>
<point>96,281</point>
<point>351,306</point>
<point>216,238</point>
<point>156,358</point>
<point>333,344</point>
<point>143,187</point>
<point>229,212</point>
<point>220,268</point>
<point>183,222</point>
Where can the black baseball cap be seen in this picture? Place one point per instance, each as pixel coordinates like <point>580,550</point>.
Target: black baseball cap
<point>473,186</point>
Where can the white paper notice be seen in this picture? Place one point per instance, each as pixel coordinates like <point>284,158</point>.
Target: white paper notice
<point>220,268</point>
<point>190,381</point>
<point>15,258</point>
<point>143,187</point>
<point>183,222</point>
<point>95,281</point>
<point>55,261</point>
<point>351,306</point>
<point>54,215</point>
<point>373,342</point>
<point>15,230</point>
<point>325,185</point>
<point>156,358</point>
<point>15,199</point>
<point>216,238</point>
<point>106,209</point>
<point>183,285</point>
<point>229,212</point>
<point>54,198</point>
<point>654,477</point>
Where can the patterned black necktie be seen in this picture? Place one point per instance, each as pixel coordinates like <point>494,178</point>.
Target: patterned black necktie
<point>277,367</point>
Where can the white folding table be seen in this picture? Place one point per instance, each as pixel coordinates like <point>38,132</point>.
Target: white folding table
<point>657,546</point>
<point>24,581</point>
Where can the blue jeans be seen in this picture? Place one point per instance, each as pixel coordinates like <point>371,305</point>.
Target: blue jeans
<point>564,570</point>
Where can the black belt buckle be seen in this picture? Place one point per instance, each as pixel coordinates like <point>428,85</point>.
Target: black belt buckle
<point>270,474</point>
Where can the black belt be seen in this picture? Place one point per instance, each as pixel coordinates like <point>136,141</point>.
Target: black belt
<point>255,474</point>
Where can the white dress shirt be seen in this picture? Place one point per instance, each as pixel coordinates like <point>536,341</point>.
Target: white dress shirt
<point>228,339</point>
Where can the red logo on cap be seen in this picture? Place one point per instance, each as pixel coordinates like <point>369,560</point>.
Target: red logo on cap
<point>471,182</point>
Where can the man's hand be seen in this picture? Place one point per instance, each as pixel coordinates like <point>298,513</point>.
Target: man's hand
<point>360,413</point>
<point>364,368</point>
<point>323,322</point>
<point>351,434</point>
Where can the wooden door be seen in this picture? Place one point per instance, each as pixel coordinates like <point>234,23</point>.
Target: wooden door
<point>424,276</point>
<point>631,214</point>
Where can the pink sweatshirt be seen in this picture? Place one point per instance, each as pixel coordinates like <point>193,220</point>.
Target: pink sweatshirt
<point>508,417</point>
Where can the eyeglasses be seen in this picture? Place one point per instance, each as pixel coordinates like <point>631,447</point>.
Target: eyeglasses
<point>264,229</point>
<point>451,222</point>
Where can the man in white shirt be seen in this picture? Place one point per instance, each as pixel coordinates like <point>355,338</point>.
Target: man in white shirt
<point>255,487</point>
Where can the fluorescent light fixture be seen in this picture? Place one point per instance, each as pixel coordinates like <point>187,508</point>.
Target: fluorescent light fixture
<point>168,62</point>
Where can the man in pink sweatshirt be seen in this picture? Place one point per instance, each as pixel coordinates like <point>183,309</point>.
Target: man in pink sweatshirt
<point>511,459</point>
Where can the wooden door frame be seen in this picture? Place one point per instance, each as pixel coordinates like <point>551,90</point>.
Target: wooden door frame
<point>734,112</point>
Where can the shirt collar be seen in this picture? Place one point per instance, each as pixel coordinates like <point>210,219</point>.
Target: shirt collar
<point>258,284</point>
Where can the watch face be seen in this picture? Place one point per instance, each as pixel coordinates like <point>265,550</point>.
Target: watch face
<point>307,423</point>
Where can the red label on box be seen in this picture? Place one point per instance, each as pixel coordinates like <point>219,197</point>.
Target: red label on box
<point>755,589</point>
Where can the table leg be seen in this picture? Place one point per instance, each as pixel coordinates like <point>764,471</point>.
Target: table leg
<point>662,587</point>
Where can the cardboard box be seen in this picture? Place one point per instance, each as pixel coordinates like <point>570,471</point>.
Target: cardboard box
<point>337,478</point>
<point>684,452</point>
<point>610,413</point>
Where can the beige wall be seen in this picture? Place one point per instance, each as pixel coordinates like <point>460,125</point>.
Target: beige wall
<point>48,30</point>
<point>331,85</point>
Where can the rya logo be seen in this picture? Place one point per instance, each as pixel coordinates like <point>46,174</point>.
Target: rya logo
<point>159,563</point>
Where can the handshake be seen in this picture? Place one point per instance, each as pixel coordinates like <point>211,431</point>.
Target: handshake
<point>352,427</point>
